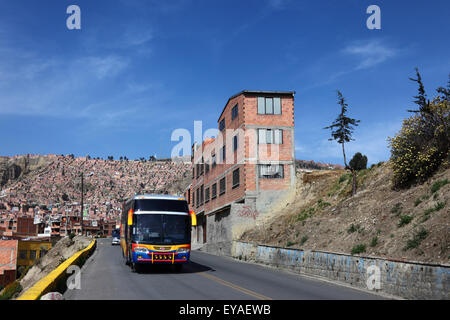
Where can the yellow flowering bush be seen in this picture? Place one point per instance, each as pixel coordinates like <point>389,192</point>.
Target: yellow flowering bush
<point>422,144</point>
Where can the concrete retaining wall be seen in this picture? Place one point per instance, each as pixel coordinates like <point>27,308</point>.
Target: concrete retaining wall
<point>410,280</point>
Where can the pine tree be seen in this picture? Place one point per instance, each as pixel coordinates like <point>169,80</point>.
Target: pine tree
<point>341,131</point>
<point>421,98</point>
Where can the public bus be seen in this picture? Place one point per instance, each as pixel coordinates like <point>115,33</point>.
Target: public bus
<point>156,229</point>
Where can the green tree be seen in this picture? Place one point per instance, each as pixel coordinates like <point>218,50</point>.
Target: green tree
<point>342,130</point>
<point>358,162</point>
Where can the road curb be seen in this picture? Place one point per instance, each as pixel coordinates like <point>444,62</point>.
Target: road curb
<point>57,278</point>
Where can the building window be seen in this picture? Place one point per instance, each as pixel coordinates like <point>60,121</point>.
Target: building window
<point>271,171</point>
<point>234,112</point>
<point>222,186</point>
<point>235,142</point>
<point>213,160</point>
<point>206,168</point>
<point>222,124</point>
<point>270,136</point>
<point>198,197</point>
<point>269,105</point>
<point>214,191</point>
<point>223,154</point>
<point>33,254</point>
<point>202,195</point>
<point>22,254</point>
<point>236,178</point>
<point>193,172</point>
<point>206,195</point>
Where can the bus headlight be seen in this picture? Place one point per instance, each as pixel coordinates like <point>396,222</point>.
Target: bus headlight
<point>183,250</point>
<point>141,250</point>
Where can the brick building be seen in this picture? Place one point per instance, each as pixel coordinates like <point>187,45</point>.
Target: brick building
<point>8,261</point>
<point>240,173</point>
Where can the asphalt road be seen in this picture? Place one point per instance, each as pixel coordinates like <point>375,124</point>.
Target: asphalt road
<point>207,277</point>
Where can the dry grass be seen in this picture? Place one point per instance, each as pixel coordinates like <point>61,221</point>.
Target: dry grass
<point>323,211</point>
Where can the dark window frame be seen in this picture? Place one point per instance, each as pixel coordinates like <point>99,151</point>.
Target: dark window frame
<point>202,194</point>
<point>213,160</point>
<point>223,188</point>
<point>214,191</point>
<point>222,124</point>
<point>223,154</point>
<point>235,112</point>
<point>236,178</point>
<point>207,195</point>
<point>235,143</point>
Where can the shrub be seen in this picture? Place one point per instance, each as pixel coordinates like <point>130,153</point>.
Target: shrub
<point>425,197</point>
<point>374,241</point>
<point>358,162</point>
<point>305,214</point>
<point>429,211</point>
<point>303,240</point>
<point>397,209</point>
<point>71,236</point>
<point>10,290</point>
<point>422,144</point>
<point>345,177</point>
<point>290,243</point>
<point>439,206</point>
<point>438,184</point>
<point>404,220</point>
<point>418,237</point>
<point>322,204</point>
<point>417,202</point>
<point>352,228</point>
<point>360,248</point>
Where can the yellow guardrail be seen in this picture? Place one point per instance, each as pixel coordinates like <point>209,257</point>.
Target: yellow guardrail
<point>56,277</point>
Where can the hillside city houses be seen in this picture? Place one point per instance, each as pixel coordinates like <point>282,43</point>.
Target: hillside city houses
<point>44,205</point>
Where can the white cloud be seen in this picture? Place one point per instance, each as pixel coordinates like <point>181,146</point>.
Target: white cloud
<point>369,53</point>
<point>102,67</point>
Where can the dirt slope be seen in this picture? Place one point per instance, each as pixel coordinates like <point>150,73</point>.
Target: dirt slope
<point>411,224</point>
<point>63,250</point>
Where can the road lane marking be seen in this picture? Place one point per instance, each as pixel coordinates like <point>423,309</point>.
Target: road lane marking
<point>236,287</point>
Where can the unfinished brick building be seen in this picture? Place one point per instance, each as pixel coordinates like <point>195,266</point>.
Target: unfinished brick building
<point>240,173</point>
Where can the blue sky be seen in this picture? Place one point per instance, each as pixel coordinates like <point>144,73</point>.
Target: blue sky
<point>137,70</point>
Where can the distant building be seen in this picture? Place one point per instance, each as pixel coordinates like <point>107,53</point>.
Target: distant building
<point>30,251</point>
<point>239,174</point>
<point>8,261</point>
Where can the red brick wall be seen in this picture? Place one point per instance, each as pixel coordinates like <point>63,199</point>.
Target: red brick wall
<point>25,227</point>
<point>247,116</point>
<point>8,262</point>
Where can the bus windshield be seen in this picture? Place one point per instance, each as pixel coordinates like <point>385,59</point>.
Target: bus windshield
<point>161,205</point>
<point>116,233</point>
<point>169,229</point>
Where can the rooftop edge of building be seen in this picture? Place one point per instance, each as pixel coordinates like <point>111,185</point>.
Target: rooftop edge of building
<point>264,92</point>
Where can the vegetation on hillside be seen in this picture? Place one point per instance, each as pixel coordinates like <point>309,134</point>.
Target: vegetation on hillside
<point>422,145</point>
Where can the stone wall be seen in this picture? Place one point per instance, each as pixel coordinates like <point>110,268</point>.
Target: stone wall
<point>410,280</point>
